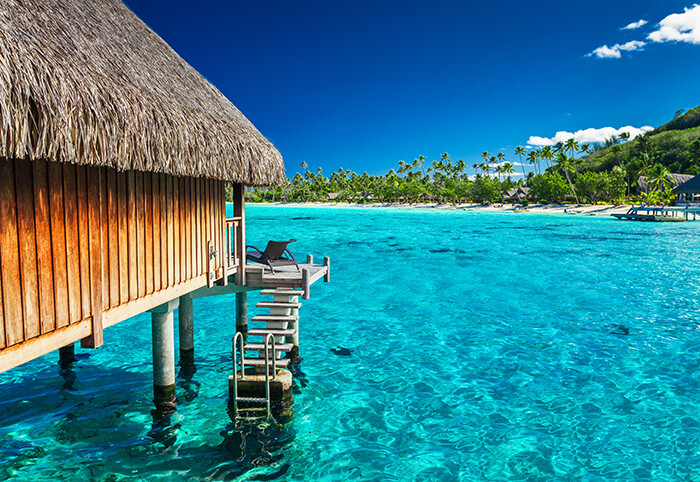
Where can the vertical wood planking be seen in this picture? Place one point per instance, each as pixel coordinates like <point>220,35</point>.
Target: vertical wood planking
<point>133,241</point>
<point>2,311</point>
<point>27,248</point>
<point>84,240</point>
<point>112,228</point>
<point>170,234</point>
<point>188,228</point>
<point>198,224</point>
<point>222,225</point>
<point>148,208</point>
<point>70,198</point>
<point>183,241</point>
<point>222,207</point>
<point>207,223</point>
<point>95,187</point>
<point>163,231</point>
<point>176,228</point>
<point>104,236</point>
<point>239,212</point>
<point>58,243</point>
<point>43,246</point>
<point>156,232</point>
<point>123,212</point>
<point>9,256</point>
<point>140,235</point>
<point>193,228</point>
<point>217,222</point>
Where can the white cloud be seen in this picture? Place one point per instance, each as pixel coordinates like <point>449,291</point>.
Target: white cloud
<point>635,25</point>
<point>613,52</point>
<point>588,136</point>
<point>679,27</point>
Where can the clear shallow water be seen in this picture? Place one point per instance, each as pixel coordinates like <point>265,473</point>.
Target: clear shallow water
<point>484,347</point>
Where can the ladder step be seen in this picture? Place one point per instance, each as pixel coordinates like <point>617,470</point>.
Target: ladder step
<point>261,347</point>
<point>271,331</point>
<point>260,362</point>
<point>278,304</point>
<point>275,318</point>
<point>283,292</point>
<point>251,399</point>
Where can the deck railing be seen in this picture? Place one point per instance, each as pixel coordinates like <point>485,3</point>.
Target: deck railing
<point>233,233</point>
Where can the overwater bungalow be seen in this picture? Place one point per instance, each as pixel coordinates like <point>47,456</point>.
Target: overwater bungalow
<point>689,193</point>
<point>676,180</point>
<point>116,157</point>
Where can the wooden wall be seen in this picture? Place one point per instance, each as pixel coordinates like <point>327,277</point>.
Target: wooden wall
<point>78,243</point>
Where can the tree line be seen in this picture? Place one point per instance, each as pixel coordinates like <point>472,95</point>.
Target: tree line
<point>565,171</point>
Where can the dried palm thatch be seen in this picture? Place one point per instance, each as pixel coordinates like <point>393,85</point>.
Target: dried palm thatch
<point>676,180</point>
<point>87,82</point>
<point>691,186</point>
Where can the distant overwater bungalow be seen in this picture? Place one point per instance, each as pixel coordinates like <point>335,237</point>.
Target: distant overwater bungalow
<point>116,159</point>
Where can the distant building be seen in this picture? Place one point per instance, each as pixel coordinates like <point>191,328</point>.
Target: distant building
<point>689,191</point>
<point>676,180</point>
<point>517,194</point>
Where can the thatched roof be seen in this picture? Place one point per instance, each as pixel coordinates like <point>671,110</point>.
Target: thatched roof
<point>676,180</point>
<point>691,186</point>
<point>87,82</point>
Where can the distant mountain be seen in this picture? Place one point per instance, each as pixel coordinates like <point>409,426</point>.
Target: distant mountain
<point>675,144</point>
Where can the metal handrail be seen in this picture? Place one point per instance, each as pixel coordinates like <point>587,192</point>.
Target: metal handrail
<point>238,336</point>
<point>269,341</point>
<point>269,347</point>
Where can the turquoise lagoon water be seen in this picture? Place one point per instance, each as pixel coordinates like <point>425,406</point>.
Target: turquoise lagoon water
<point>484,347</point>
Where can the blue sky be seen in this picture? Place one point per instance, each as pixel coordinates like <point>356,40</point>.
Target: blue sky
<point>363,84</point>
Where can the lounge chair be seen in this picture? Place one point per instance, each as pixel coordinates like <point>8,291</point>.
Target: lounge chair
<point>274,255</point>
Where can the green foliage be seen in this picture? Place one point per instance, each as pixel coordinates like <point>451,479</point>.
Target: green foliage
<point>485,190</point>
<point>598,186</point>
<point>549,186</point>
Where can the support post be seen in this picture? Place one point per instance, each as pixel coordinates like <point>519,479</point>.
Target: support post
<point>94,187</point>
<point>162,327</point>
<point>242,314</point>
<point>305,283</point>
<point>327,264</point>
<point>239,212</point>
<point>309,259</point>
<point>66,354</point>
<point>186,329</point>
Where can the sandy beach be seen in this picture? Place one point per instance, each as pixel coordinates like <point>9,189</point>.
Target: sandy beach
<point>579,209</point>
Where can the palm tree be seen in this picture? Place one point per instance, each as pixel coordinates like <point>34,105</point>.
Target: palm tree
<point>508,168</point>
<point>533,158</point>
<point>564,164</point>
<point>520,152</point>
<point>572,146</point>
<point>659,179</point>
<point>547,154</point>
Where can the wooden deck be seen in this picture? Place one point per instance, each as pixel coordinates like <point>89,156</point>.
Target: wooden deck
<point>285,276</point>
<point>657,214</point>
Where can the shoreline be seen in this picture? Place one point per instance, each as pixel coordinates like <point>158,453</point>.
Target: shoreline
<point>579,209</point>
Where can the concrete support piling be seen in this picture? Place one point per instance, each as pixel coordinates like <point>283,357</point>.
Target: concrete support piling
<point>186,329</point>
<point>163,331</point>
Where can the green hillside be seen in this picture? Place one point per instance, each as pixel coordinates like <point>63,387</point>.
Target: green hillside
<point>675,144</point>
